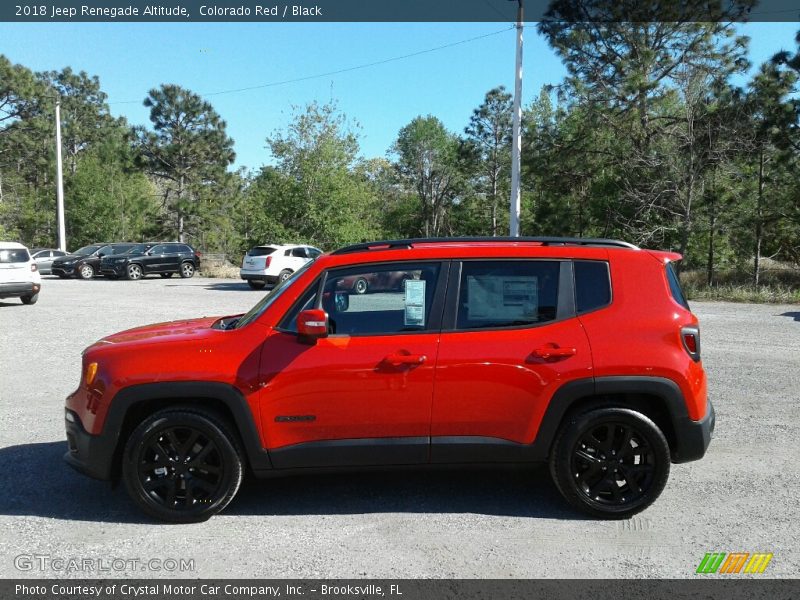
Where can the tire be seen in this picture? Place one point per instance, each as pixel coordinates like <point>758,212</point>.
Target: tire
<point>86,271</point>
<point>361,286</point>
<point>187,270</point>
<point>599,473</point>
<point>255,284</point>
<point>176,483</point>
<point>284,275</point>
<point>63,276</point>
<point>167,275</point>
<point>134,272</point>
<point>32,299</point>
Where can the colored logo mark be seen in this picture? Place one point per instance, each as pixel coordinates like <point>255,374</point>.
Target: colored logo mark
<point>735,562</point>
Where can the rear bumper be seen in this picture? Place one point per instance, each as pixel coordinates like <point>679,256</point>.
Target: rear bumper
<point>89,454</point>
<point>693,437</point>
<point>18,289</point>
<point>258,276</point>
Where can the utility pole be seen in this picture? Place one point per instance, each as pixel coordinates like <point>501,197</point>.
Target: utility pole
<point>62,233</point>
<point>516,143</point>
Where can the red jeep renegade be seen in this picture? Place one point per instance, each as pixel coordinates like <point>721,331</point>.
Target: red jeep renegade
<point>579,352</point>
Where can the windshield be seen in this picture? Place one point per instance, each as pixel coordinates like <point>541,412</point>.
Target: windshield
<point>87,250</point>
<point>267,300</point>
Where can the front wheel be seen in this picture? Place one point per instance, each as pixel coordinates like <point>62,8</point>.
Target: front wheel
<point>32,299</point>
<point>187,270</point>
<point>86,271</point>
<point>610,462</point>
<point>135,272</point>
<point>182,465</point>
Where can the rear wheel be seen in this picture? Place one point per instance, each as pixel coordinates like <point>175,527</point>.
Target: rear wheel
<point>255,284</point>
<point>610,462</point>
<point>284,275</point>
<point>134,272</point>
<point>32,299</point>
<point>167,275</point>
<point>182,466</point>
<point>86,271</point>
<point>187,270</point>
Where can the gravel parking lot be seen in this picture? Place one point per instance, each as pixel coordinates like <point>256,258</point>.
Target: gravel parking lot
<point>741,497</point>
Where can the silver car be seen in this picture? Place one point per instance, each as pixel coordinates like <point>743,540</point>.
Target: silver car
<point>44,257</point>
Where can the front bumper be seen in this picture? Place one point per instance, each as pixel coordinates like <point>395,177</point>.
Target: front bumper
<point>92,455</point>
<point>693,437</point>
<point>17,289</point>
<point>62,270</point>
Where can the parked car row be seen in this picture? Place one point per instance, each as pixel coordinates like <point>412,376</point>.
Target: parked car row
<point>117,260</point>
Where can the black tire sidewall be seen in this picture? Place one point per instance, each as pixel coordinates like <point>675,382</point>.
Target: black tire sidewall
<point>210,426</point>
<point>561,457</point>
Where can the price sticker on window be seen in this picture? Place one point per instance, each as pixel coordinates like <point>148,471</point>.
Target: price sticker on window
<point>414,303</point>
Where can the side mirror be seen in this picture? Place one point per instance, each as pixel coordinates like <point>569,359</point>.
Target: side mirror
<point>312,325</point>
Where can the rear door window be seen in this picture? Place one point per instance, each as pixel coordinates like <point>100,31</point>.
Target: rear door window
<point>499,294</point>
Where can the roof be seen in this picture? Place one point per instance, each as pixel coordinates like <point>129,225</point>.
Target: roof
<point>482,241</point>
<point>283,246</point>
<point>12,246</point>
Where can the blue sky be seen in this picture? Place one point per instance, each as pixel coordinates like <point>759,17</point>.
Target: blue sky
<point>131,58</point>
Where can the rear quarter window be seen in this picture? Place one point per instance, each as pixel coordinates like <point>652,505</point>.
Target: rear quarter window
<point>592,285</point>
<point>675,287</point>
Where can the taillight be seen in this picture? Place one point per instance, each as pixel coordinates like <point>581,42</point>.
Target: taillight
<point>34,267</point>
<point>267,261</point>
<point>691,341</point>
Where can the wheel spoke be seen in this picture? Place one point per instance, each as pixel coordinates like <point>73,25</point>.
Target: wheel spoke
<point>625,445</point>
<point>586,456</point>
<point>187,446</point>
<point>633,485</point>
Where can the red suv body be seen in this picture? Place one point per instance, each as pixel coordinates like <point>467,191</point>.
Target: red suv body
<point>579,352</point>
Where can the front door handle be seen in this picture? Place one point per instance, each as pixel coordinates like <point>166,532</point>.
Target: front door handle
<point>397,359</point>
<point>553,352</point>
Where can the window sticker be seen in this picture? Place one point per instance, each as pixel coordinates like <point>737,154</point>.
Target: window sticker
<point>492,297</point>
<point>414,302</point>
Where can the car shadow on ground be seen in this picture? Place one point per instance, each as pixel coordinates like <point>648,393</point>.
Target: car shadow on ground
<point>36,482</point>
<point>793,315</point>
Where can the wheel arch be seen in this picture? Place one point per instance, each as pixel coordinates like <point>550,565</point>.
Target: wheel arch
<point>657,398</point>
<point>133,404</point>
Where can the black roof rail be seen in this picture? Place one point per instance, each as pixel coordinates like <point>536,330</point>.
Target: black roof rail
<point>544,241</point>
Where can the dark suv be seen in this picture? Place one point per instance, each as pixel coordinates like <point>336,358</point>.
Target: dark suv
<point>85,263</point>
<point>164,258</point>
<point>576,352</point>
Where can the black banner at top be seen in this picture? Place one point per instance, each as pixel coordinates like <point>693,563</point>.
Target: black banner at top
<point>395,10</point>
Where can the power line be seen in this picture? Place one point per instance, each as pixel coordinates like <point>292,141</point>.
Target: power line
<point>345,70</point>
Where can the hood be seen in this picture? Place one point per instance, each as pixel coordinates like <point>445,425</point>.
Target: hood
<point>170,331</point>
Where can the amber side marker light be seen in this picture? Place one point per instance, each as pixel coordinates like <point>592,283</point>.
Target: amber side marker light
<point>91,373</point>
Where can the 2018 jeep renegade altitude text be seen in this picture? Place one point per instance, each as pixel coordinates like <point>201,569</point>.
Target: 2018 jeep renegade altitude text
<point>582,353</point>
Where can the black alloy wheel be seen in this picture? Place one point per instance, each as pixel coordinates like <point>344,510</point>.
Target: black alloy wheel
<point>610,462</point>
<point>182,466</point>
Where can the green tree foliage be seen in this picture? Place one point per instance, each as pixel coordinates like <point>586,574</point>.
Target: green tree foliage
<point>188,151</point>
<point>317,190</point>
<point>489,137</point>
<point>429,163</point>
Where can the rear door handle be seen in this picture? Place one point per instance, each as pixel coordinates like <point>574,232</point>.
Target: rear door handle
<point>551,352</point>
<point>397,359</point>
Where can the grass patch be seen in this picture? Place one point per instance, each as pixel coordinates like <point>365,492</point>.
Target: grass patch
<point>777,286</point>
<point>217,271</point>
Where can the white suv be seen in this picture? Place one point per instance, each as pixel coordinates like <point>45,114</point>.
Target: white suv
<point>19,276</point>
<point>274,263</point>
